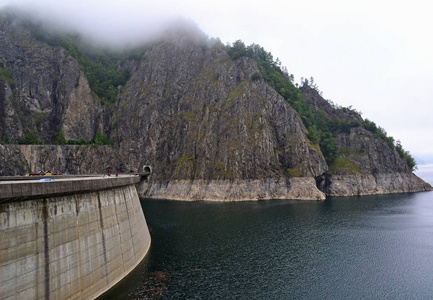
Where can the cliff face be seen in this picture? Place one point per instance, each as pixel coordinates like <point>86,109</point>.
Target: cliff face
<point>194,113</point>
<point>46,92</point>
<point>207,128</point>
<point>316,102</point>
<point>365,164</point>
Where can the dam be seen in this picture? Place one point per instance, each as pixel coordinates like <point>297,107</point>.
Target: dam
<point>71,238</point>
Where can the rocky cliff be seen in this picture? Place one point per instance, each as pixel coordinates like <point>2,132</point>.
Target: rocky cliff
<point>365,164</point>
<point>46,93</point>
<point>207,125</point>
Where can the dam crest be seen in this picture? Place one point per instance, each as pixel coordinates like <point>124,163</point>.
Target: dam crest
<point>72,238</point>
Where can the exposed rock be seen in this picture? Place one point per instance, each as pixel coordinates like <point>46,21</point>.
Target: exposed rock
<point>49,93</point>
<point>370,154</point>
<point>202,121</point>
<point>237,190</point>
<point>316,102</point>
<point>191,112</point>
<point>69,159</point>
<point>365,163</point>
<point>12,161</point>
<point>369,184</point>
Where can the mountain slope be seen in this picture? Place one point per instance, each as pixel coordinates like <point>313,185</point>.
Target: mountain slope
<point>206,123</point>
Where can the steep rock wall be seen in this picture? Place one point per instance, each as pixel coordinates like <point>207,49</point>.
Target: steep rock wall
<point>364,164</point>
<point>368,184</point>
<point>47,92</point>
<point>196,116</point>
<point>21,159</point>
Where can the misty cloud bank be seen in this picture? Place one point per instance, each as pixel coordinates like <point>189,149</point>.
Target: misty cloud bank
<point>116,24</point>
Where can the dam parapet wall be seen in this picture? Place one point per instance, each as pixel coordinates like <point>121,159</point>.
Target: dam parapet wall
<point>71,238</point>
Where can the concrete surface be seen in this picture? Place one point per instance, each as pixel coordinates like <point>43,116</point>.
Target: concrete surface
<point>69,239</point>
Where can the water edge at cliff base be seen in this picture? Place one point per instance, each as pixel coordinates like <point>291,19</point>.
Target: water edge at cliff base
<point>370,247</point>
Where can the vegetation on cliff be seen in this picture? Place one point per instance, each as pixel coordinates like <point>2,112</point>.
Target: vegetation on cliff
<point>321,128</point>
<point>144,90</point>
<point>101,66</point>
<point>6,74</point>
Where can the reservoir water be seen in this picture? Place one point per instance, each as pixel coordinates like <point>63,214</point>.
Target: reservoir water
<point>372,247</point>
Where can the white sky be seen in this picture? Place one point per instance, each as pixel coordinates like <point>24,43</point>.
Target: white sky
<point>374,55</point>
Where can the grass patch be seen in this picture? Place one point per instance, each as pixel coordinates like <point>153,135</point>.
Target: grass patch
<point>237,92</point>
<point>294,172</point>
<point>344,165</point>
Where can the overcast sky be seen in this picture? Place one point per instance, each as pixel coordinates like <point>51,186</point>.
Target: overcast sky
<point>374,55</point>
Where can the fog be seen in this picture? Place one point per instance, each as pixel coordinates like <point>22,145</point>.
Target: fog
<point>374,55</point>
<point>106,23</point>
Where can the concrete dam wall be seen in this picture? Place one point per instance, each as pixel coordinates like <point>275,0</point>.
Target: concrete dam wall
<point>69,239</point>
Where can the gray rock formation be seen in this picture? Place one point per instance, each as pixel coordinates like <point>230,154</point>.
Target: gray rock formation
<point>47,92</point>
<point>191,112</point>
<point>365,163</point>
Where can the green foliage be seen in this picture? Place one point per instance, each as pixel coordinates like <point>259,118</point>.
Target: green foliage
<point>101,70</point>
<point>406,156</point>
<point>237,50</point>
<point>5,141</point>
<point>101,67</point>
<point>189,116</point>
<point>30,139</point>
<point>101,139</point>
<point>294,172</point>
<point>60,139</point>
<point>79,142</point>
<point>256,76</point>
<point>321,129</point>
<point>381,133</point>
<point>344,165</point>
<point>39,117</point>
<point>5,73</point>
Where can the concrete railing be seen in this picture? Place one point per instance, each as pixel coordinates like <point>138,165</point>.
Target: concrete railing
<point>33,188</point>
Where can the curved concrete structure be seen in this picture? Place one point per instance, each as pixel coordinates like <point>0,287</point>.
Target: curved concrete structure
<point>69,239</point>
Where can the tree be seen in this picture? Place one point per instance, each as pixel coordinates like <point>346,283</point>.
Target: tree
<point>60,139</point>
<point>30,139</point>
<point>406,156</point>
<point>237,50</point>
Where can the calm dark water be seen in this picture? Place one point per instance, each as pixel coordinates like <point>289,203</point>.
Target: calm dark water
<point>374,247</point>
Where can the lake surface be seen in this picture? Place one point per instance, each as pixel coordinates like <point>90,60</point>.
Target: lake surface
<point>372,247</point>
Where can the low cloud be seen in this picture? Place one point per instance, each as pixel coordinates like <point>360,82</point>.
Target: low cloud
<point>113,23</point>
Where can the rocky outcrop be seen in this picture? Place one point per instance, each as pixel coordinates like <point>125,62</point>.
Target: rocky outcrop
<point>365,164</point>
<point>194,113</point>
<point>207,126</point>
<point>198,118</point>
<point>20,159</point>
<point>47,92</point>
<point>369,154</point>
<point>317,102</point>
<point>12,161</point>
<point>373,184</point>
<point>237,190</point>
